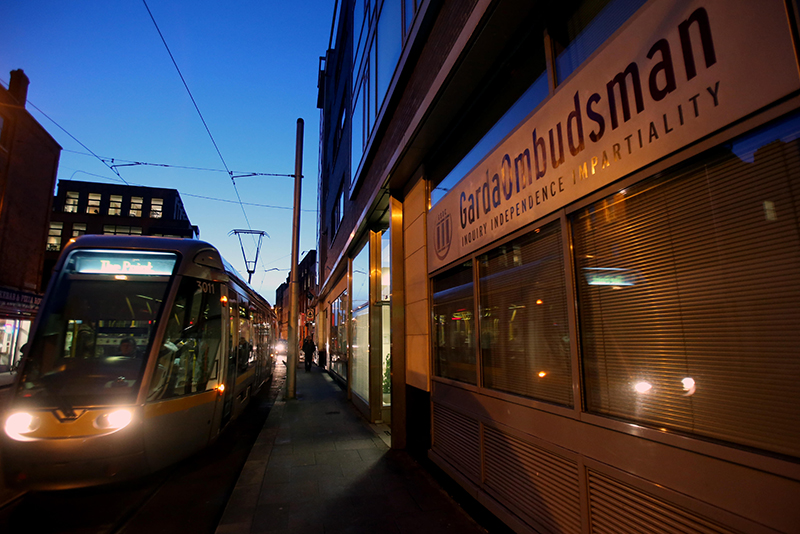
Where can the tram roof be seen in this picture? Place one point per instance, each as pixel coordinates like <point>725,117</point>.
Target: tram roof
<point>186,247</point>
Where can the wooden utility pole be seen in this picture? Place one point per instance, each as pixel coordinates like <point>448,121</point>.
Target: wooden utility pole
<point>294,341</point>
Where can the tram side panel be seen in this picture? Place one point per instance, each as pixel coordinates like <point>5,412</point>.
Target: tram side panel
<point>180,412</point>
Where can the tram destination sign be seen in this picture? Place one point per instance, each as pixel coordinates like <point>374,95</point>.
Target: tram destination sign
<point>675,73</point>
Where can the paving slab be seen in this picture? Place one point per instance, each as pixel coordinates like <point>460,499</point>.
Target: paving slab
<point>319,467</point>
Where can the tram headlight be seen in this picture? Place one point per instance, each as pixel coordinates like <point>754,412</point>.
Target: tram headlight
<point>19,424</point>
<point>114,420</point>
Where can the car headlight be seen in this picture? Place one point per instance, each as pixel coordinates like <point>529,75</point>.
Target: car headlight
<point>19,424</point>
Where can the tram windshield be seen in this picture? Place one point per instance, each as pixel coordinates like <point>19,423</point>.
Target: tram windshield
<point>96,328</point>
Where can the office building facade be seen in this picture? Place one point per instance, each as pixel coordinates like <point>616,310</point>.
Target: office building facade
<point>559,250</point>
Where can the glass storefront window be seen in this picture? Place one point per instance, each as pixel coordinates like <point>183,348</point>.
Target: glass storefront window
<point>13,337</point>
<point>454,325</point>
<point>360,324</point>
<point>688,286</point>
<point>524,328</point>
<point>337,346</point>
<point>386,318</point>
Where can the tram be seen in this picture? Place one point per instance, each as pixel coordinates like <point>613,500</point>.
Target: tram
<point>144,349</point>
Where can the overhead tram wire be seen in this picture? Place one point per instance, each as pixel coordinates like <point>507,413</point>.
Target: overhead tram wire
<point>241,174</point>
<point>197,108</point>
<point>115,171</point>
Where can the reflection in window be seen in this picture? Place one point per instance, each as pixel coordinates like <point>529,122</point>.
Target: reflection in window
<point>454,325</point>
<point>54,236</point>
<point>337,347</point>
<point>688,302</point>
<point>531,98</point>
<point>380,29</point>
<point>524,330</point>
<point>188,356</point>
<point>93,206</point>
<point>360,328</point>
<point>590,26</point>
<point>386,316</point>
<point>71,202</point>
<point>115,205</point>
<point>136,207</point>
<point>75,359</point>
<point>245,348</point>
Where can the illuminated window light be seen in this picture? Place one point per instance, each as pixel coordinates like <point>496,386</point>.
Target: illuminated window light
<point>643,387</point>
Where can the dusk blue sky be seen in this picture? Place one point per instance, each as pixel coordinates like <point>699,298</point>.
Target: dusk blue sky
<point>99,69</point>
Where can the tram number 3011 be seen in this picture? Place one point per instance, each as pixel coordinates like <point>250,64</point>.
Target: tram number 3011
<point>207,287</point>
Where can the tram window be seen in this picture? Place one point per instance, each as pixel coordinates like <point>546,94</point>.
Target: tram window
<point>187,360</point>
<point>688,286</point>
<point>524,330</point>
<point>76,350</point>
<point>245,349</point>
<point>454,324</point>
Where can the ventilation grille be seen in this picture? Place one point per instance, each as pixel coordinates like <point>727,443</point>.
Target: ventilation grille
<point>456,438</point>
<point>537,483</point>
<point>618,509</point>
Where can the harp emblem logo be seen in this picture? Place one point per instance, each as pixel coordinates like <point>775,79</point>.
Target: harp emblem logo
<point>443,235</point>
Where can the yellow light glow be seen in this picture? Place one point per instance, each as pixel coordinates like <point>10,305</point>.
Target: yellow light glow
<point>120,277</point>
<point>224,300</point>
<point>542,374</point>
<point>539,302</point>
<point>221,388</point>
<point>20,423</point>
<point>120,418</point>
<point>689,386</point>
<point>114,420</point>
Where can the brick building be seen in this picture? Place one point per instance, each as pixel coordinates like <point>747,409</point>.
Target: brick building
<point>94,208</point>
<point>28,166</point>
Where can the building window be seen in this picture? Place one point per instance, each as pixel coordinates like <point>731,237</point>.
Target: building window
<point>156,208</point>
<point>71,202</point>
<point>136,206</point>
<point>115,205</point>
<point>78,229</point>
<point>688,303</point>
<point>54,236</point>
<point>524,328</point>
<point>360,325</point>
<point>93,207</point>
<point>337,346</point>
<point>380,29</point>
<point>454,325</point>
<point>110,229</point>
<point>336,214</point>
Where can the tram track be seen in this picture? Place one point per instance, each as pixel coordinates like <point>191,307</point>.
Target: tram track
<point>189,496</point>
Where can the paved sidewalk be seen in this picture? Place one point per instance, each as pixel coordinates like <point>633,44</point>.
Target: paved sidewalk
<point>318,467</point>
